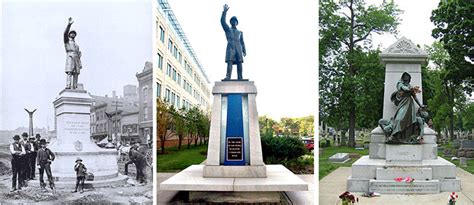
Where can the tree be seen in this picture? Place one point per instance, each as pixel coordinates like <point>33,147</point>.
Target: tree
<point>448,94</point>
<point>343,27</point>
<point>181,125</point>
<point>266,125</point>
<point>164,121</point>
<point>468,117</point>
<point>453,20</point>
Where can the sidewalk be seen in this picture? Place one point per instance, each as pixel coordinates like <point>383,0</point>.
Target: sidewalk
<point>335,183</point>
<point>302,197</point>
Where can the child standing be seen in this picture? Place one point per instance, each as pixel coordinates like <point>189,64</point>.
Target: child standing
<point>81,172</point>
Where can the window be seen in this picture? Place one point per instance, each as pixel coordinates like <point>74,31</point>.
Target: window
<point>158,90</point>
<point>174,74</point>
<point>146,114</point>
<point>179,79</point>
<point>167,95</point>
<point>160,61</point>
<point>175,52</point>
<point>170,45</point>
<point>168,70</point>
<point>180,58</point>
<point>162,34</point>
<point>178,102</point>
<point>173,98</point>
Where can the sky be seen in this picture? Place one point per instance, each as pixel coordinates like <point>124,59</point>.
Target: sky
<point>280,39</point>
<point>114,37</point>
<point>415,23</point>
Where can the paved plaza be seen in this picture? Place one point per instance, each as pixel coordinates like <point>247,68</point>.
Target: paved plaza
<point>335,183</point>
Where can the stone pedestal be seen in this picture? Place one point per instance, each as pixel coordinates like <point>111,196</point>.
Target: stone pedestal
<point>234,148</point>
<point>72,114</point>
<point>234,166</point>
<point>377,172</point>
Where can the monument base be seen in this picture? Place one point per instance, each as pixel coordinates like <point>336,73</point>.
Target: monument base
<point>251,171</point>
<point>431,176</point>
<point>118,180</point>
<point>278,179</point>
<point>236,197</point>
<point>73,141</point>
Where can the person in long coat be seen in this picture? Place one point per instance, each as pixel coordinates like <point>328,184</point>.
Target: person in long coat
<point>235,50</point>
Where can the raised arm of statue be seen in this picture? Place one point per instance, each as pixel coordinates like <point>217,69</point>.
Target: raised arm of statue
<point>66,32</point>
<point>244,51</point>
<point>223,23</point>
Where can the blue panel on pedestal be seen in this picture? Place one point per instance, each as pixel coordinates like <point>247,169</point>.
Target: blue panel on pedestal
<point>234,143</point>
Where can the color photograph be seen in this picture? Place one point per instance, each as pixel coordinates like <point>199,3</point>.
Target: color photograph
<point>395,102</point>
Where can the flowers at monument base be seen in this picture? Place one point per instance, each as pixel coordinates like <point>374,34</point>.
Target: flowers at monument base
<point>452,198</point>
<point>409,179</point>
<point>406,179</point>
<point>348,198</point>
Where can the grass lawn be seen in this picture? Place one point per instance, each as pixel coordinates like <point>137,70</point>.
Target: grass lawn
<point>175,160</point>
<point>326,167</point>
<point>470,162</point>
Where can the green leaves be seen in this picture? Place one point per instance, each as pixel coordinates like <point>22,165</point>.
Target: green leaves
<point>350,71</point>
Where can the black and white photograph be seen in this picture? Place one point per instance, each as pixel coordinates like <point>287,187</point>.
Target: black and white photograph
<point>76,121</point>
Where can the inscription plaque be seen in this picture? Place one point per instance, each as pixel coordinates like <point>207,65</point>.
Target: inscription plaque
<point>234,149</point>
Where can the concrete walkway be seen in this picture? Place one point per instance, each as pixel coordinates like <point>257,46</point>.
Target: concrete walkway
<point>300,197</point>
<point>331,186</point>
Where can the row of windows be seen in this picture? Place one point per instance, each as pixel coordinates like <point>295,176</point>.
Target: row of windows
<point>175,100</point>
<point>187,87</point>
<point>129,129</point>
<point>176,76</point>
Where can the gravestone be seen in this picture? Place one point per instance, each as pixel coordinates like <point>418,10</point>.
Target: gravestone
<point>385,162</point>
<point>466,149</point>
<point>339,158</point>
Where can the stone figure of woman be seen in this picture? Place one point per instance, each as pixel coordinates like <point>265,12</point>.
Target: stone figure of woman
<point>406,126</point>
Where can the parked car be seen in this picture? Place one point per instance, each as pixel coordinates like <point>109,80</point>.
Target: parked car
<point>308,143</point>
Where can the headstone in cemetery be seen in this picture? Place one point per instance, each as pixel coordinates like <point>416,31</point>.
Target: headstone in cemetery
<point>339,158</point>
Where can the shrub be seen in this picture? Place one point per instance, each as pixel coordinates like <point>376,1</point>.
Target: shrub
<point>281,149</point>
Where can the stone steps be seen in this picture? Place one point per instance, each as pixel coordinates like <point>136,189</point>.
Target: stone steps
<point>391,173</point>
<point>415,187</point>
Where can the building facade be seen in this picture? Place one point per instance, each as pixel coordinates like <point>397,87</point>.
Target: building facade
<point>107,111</point>
<point>145,103</point>
<point>180,78</point>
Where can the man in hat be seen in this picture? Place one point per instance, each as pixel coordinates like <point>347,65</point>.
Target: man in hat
<point>81,172</point>
<point>43,159</point>
<point>73,60</point>
<point>235,45</point>
<point>25,160</point>
<point>17,151</point>
<point>34,152</point>
<point>140,163</point>
<point>131,157</point>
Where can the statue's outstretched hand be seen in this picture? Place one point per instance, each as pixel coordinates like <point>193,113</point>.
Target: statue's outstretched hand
<point>226,7</point>
<point>70,20</point>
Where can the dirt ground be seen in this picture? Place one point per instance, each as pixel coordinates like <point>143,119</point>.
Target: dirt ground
<point>131,192</point>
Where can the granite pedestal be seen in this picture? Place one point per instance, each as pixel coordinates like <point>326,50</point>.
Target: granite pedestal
<point>72,114</point>
<point>234,165</point>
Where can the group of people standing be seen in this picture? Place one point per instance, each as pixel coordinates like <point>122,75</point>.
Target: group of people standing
<point>27,153</point>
